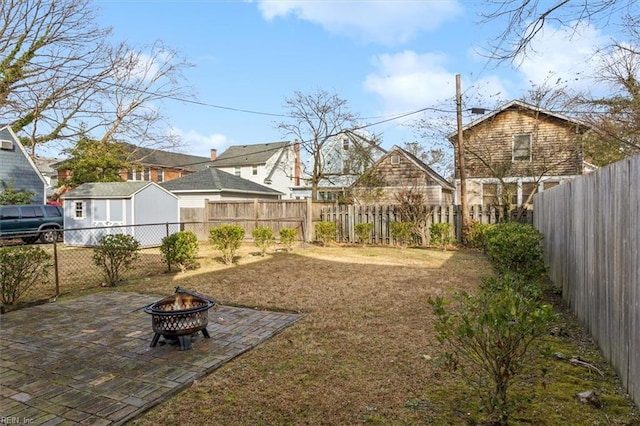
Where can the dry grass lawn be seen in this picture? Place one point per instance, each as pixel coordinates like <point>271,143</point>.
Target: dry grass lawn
<point>365,352</point>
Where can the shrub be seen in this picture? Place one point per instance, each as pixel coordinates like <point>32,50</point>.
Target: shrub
<point>22,267</point>
<point>363,232</point>
<point>325,232</point>
<point>263,238</point>
<point>477,234</point>
<point>487,339</point>
<point>227,239</point>
<point>181,249</point>
<point>401,232</point>
<point>288,237</point>
<point>441,234</point>
<point>115,254</point>
<point>516,247</point>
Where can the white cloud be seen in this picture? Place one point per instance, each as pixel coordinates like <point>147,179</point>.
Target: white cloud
<point>563,54</point>
<point>198,144</point>
<point>386,22</point>
<point>410,81</point>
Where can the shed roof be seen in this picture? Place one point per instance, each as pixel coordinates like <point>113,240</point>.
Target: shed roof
<point>213,179</point>
<point>107,190</point>
<point>246,155</point>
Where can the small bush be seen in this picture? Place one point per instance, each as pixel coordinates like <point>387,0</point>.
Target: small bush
<point>22,267</point>
<point>476,235</point>
<point>263,238</point>
<point>325,232</point>
<point>288,237</point>
<point>402,232</point>
<point>181,249</point>
<point>115,254</point>
<point>516,247</point>
<point>227,239</point>
<point>441,234</point>
<point>363,232</point>
<point>487,339</point>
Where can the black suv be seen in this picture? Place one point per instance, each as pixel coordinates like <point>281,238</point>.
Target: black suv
<point>30,222</point>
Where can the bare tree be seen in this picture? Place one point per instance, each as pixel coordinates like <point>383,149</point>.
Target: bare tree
<point>411,202</point>
<point>524,19</point>
<point>59,77</point>
<point>316,119</point>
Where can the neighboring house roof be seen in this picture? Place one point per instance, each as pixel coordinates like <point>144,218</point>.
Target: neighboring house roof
<point>515,104</point>
<point>215,180</point>
<point>96,190</point>
<point>13,159</point>
<point>247,155</point>
<point>158,157</point>
<point>46,165</point>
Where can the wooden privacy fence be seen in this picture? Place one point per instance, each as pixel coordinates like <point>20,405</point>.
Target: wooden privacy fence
<point>303,214</point>
<point>348,216</point>
<point>591,230</point>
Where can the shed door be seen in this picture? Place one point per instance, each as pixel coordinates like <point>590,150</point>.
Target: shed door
<point>116,211</point>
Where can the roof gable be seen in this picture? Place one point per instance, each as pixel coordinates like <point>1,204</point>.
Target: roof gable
<point>109,190</point>
<point>522,107</point>
<point>419,164</point>
<point>247,155</point>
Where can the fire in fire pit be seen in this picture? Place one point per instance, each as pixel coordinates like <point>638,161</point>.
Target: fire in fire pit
<point>179,316</point>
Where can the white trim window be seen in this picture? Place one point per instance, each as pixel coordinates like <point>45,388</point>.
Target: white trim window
<point>395,160</point>
<point>160,175</point>
<point>237,170</point>
<point>254,170</point>
<point>522,147</point>
<point>79,210</point>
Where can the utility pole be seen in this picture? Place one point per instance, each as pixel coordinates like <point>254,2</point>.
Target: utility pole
<point>461,169</point>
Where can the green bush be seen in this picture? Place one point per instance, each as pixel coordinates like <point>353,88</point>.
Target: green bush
<point>288,237</point>
<point>487,339</point>
<point>22,267</point>
<point>402,232</point>
<point>363,232</point>
<point>227,239</point>
<point>516,247</point>
<point>181,249</point>
<point>115,254</point>
<point>476,235</point>
<point>325,232</point>
<point>263,238</point>
<point>441,234</point>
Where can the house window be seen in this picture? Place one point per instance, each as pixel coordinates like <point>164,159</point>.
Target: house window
<point>395,159</point>
<point>510,194</point>
<point>550,184</point>
<point>237,171</point>
<point>78,210</point>
<point>146,174</point>
<point>345,144</point>
<point>522,147</point>
<point>254,170</point>
<point>160,175</point>
<point>489,194</point>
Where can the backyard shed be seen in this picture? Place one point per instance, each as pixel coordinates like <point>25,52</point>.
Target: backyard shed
<point>95,209</point>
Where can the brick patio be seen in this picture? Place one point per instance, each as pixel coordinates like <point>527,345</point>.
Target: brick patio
<point>88,360</point>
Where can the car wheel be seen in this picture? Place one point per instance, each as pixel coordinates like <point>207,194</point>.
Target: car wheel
<point>29,240</point>
<point>48,236</point>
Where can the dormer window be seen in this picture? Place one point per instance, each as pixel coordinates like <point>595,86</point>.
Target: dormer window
<point>522,147</point>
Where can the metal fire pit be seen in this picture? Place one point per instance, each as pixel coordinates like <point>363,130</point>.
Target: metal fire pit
<point>180,315</point>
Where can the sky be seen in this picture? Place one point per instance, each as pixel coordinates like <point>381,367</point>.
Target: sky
<point>385,58</point>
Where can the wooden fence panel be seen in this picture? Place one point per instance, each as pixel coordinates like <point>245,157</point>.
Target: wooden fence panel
<point>592,245</point>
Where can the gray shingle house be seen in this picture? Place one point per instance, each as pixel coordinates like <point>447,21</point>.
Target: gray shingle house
<point>117,207</point>
<point>275,165</point>
<point>17,168</point>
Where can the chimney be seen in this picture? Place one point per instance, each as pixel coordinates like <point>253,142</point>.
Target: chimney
<point>214,154</point>
<point>297,165</point>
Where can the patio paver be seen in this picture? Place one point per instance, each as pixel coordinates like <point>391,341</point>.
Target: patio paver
<point>88,360</point>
